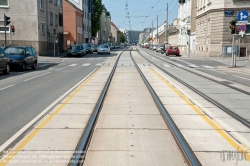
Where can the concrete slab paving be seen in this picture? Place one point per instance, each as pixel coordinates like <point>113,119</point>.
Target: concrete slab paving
<point>67,121</point>
<point>172,101</point>
<point>83,100</point>
<point>131,158</point>
<point>191,121</point>
<point>47,139</point>
<point>206,140</point>
<point>180,110</point>
<point>131,121</point>
<point>234,124</point>
<point>76,109</point>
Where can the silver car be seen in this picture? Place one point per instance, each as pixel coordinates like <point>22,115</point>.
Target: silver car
<point>104,48</point>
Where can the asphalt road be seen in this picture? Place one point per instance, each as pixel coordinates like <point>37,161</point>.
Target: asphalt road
<point>211,67</point>
<point>24,95</point>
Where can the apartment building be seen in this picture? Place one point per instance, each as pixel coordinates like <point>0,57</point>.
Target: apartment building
<point>213,33</point>
<point>104,34</point>
<point>114,33</point>
<point>187,21</point>
<point>73,22</point>
<point>86,21</point>
<point>37,23</point>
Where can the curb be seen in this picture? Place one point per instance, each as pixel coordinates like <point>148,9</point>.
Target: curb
<point>234,69</point>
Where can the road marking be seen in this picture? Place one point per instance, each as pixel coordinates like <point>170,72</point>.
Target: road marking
<point>212,123</point>
<point>61,68</point>
<point>86,64</point>
<point>37,76</point>
<point>242,77</point>
<point>218,71</point>
<point>98,64</point>
<point>179,65</point>
<point>43,65</point>
<point>33,133</point>
<point>166,65</point>
<point>73,65</point>
<point>62,60</point>
<point>193,66</point>
<point>209,67</point>
<point>7,87</point>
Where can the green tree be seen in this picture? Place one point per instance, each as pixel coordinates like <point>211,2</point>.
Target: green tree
<point>95,19</point>
<point>122,37</point>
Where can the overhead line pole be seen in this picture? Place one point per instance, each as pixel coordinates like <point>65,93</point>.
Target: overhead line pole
<point>157,30</point>
<point>166,35</point>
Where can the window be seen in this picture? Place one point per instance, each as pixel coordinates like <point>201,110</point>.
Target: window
<point>60,20</point>
<point>55,2</point>
<point>4,3</point>
<point>50,0</point>
<point>56,20</point>
<point>59,3</point>
<point>42,28</point>
<point>41,5</point>
<point>51,18</point>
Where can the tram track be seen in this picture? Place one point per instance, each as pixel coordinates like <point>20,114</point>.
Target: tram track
<point>186,151</point>
<point>242,120</point>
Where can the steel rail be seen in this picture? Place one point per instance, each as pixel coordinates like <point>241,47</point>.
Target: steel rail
<point>78,156</point>
<point>184,147</point>
<point>223,108</point>
<point>232,87</point>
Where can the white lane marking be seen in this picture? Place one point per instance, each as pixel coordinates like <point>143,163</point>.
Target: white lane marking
<point>179,65</point>
<point>15,136</point>
<point>209,67</point>
<point>193,66</point>
<point>73,65</point>
<point>37,76</point>
<point>61,68</point>
<point>7,87</point>
<point>241,77</point>
<point>62,60</point>
<point>166,65</point>
<point>86,64</point>
<point>218,71</point>
<point>98,64</point>
<point>43,65</point>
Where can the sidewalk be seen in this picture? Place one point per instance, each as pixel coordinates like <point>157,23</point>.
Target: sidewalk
<point>242,64</point>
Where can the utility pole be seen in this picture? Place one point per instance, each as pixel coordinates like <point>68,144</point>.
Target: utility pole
<point>239,47</point>
<point>157,30</point>
<point>166,25</point>
<point>152,29</point>
<point>233,51</point>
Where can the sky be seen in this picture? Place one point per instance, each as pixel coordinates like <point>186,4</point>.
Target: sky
<point>141,12</point>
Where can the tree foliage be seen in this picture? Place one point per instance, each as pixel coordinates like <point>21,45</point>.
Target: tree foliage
<point>95,19</point>
<point>122,37</point>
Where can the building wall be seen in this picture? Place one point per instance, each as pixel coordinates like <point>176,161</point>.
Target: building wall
<point>86,21</point>
<point>114,32</point>
<point>73,23</point>
<point>213,32</point>
<point>24,18</point>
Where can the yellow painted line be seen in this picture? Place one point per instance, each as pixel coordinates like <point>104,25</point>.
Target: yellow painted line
<point>228,138</point>
<point>45,122</point>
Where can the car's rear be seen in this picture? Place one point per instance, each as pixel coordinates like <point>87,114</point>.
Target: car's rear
<point>173,50</point>
<point>77,50</point>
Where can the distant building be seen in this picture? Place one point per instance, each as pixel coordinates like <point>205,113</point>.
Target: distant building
<point>132,36</point>
<point>104,34</point>
<point>114,33</point>
<point>36,23</point>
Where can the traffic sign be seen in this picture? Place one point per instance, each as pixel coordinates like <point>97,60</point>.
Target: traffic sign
<point>242,28</point>
<point>242,15</point>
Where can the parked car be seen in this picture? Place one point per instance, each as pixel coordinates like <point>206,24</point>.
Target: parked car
<point>22,57</point>
<point>95,47</point>
<point>172,50</point>
<point>104,48</point>
<point>89,48</point>
<point>77,50</point>
<point>4,62</point>
<point>154,47</point>
<point>159,47</point>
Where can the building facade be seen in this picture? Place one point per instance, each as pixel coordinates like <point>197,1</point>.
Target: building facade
<point>114,33</point>
<point>73,19</point>
<point>212,25</point>
<point>104,34</point>
<point>86,21</point>
<point>187,21</point>
<point>37,23</point>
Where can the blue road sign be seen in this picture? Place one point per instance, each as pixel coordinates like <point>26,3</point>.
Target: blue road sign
<point>242,15</point>
<point>90,6</point>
